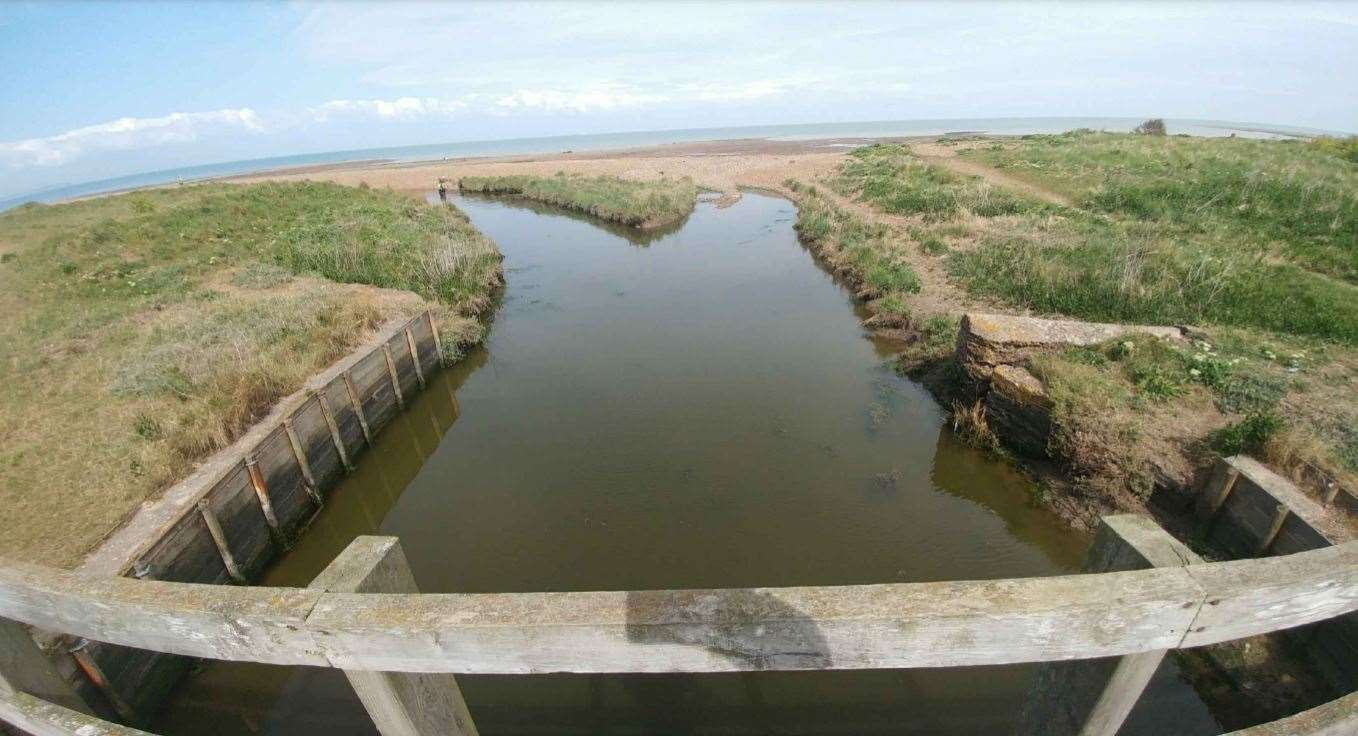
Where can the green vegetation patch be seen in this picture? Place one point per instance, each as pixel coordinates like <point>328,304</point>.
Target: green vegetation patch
<point>890,178</point>
<point>643,204</point>
<point>1344,148</point>
<point>1284,199</point>
<point>149,330</point>
<point>870,252</point>
<point>1287,401</point>
<point>1165,230</point>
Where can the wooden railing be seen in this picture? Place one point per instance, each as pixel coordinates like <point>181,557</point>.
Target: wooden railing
<point>362,616</point>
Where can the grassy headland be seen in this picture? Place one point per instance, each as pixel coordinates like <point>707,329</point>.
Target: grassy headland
<point>1254,243</point>
<point>641,204</point>
<point>148,330</point>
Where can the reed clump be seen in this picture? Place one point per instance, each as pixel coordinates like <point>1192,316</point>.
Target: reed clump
<point>651,204</point>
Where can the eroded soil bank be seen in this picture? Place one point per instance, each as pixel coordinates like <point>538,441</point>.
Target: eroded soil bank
<point>701,410</point>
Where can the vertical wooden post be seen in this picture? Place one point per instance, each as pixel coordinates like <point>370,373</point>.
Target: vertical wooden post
<point>395,379</point>
<point>1331,491</point>
<point>1094,697</point>
<point>438,341</point>
<point>265,505</point>
<point>335,433</point>
<point>24,668</point>
<point>95,674</point>
<point>400,703</point>
<point>299,452</point>
<point>303,464</point>
<point>358,407</point>
<point>1218,489</point>
<point>1280,515</point>
<point>214,528</point>
<point>415,357</point>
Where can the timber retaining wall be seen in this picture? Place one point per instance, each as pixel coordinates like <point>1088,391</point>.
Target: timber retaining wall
<point>1247,510</point>
<point>246,505</point>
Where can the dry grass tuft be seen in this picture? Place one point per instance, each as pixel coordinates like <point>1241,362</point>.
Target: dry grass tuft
<point>969,422</point>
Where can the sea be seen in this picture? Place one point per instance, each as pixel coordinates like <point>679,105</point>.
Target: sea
<point>633,139</point>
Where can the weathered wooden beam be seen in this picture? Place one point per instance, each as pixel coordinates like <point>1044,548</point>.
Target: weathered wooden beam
<point>1339,717</point>
<point>265,505</point>
<point>214,528</point>
<point>1257,596</point>
<point>246,624</point>
<point>1094,697</point>
<point>299,452</point>
<point>907,625</point>
<point>1218,488</point>
<point>95,674</point>
<point>1280,515</point>
<point>400,703</point>
<point>335,435</point>
<point>395,378</point>
<point>357,401</point>
<point>438,341</point>
<point>39,717</point>
<point>24,668</point>
<point>415,356</point>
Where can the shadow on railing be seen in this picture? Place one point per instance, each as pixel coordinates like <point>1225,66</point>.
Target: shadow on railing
<point>400,648</point>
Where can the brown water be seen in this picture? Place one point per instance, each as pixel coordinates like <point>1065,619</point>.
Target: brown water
<point>699,409</point>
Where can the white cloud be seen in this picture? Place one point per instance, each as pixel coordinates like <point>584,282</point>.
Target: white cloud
<point>593,98</point>
<point>125,133</point>
<point>588,99</point>
<point>403,108</point>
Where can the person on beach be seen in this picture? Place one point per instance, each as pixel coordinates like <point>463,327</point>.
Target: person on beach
<point>443,189</point>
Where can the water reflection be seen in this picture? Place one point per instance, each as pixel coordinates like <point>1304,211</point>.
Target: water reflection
<point>703,413</point>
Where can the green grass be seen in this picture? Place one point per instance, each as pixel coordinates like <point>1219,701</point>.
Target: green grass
<point>1166,230</point>
<point>169,239</point>
<point>888,177</point>
<point>644,204</point>
<point>157,327</point>
<point>870,252</point>
<point>1282,199</point>
<point>1250,435</point>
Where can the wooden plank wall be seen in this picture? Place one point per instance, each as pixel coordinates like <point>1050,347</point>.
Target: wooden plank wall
<point>1262,513</point>
<point>259,511</point>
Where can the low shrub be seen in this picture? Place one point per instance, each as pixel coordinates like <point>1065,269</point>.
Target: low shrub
<point>1249,435</point>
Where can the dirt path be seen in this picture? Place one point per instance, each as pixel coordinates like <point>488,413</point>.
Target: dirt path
<point>947,157</point>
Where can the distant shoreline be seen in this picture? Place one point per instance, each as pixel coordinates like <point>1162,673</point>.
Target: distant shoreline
<point>635,143</point>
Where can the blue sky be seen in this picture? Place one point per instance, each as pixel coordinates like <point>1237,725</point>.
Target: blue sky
<point>96,90</point>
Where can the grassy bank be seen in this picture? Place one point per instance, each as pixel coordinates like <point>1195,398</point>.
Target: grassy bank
<point>1165,230</point>
<point>642,204</point>
<point>148,330</point>
<point>863,252</point>
<point>1255,243</point>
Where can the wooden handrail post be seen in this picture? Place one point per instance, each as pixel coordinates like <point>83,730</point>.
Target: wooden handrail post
<point>25,669</point>
<point>1094,697</point>
<point>400,703</point>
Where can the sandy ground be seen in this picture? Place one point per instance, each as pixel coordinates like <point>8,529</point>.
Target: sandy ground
<point>719,165</point>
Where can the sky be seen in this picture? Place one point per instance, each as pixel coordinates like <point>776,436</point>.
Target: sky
<point>94,90</point>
